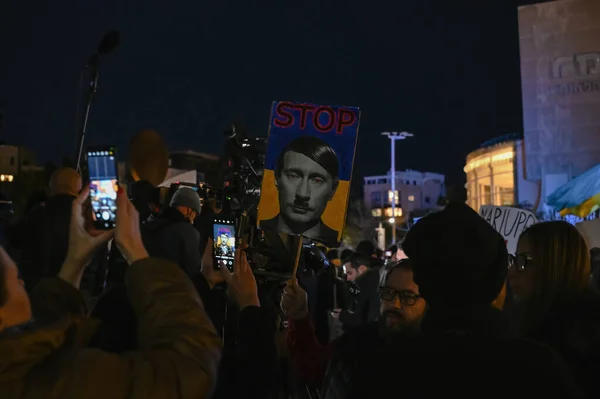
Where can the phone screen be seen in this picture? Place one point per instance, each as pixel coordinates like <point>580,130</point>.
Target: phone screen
<point>224,243</point>
<point>388,254</point>
<point>102,167</point>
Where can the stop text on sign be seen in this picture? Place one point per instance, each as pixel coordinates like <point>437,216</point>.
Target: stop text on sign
<point>324,119</point>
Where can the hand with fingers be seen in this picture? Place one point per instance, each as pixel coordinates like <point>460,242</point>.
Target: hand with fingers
<point>241,283</point>
<point>84,239</point>
<point>127,233</point>
<point>294,302</point>
<point>212,276</point>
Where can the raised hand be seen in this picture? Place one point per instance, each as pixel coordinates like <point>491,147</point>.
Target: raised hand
<point>294,302</point>
<point>241,283</point>
<point>84,239</point>
<point>127,233</point>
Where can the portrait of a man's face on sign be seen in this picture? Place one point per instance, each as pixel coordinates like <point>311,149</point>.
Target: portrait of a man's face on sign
<point>309,159</point>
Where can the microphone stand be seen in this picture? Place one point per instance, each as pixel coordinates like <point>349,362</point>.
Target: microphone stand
<point>93,86</point>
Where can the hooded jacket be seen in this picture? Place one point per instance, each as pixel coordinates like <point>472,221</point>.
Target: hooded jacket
<point>170,236</point>
<point>178,354</point>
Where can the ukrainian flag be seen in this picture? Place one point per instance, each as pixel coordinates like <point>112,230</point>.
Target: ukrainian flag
<point>580,196</point>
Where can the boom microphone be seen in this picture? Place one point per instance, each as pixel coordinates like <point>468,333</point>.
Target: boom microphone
<point>109,42</point>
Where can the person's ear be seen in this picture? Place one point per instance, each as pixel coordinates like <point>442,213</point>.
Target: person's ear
<point>361,269</point>
<point>334,187</point>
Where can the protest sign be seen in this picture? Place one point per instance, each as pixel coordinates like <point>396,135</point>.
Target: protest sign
<point>308,168</point>
<point>509,222</point>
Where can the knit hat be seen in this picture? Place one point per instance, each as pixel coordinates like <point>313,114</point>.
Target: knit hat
<point>186,196</point>
<point>459,259</point>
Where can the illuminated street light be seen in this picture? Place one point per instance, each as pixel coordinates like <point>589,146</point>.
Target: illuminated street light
<point>393,136</point>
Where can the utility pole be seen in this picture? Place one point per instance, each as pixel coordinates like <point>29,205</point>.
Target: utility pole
<point>393,136</point>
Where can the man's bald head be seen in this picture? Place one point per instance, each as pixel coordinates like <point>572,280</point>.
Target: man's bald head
<point>65,181</point>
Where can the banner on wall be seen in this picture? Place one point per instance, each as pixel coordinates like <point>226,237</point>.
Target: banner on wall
<point>308,168</point>
<point>509,222</point>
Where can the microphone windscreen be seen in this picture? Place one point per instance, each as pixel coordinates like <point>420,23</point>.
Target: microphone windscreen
<point>109,42</point>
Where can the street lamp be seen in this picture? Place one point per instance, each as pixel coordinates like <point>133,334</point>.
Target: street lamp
<point>393,136</point>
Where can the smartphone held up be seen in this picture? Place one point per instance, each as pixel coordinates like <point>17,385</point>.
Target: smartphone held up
<point>104,185</point>
<point>224,242</point>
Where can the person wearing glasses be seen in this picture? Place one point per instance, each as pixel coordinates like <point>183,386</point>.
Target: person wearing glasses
<point>555,303</point>
<point>465,347</point>
<point>401,309</point>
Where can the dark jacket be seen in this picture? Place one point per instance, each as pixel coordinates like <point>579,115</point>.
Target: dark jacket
<point>178,354</point>
<point>465,353</point>
<point>364,306</point>
<point>327,235</point>
<point>573,330</point>
<point>46,239</point>
<point>248,362</point>
<point>248,366</point>
<point>170,236</point>
<point>331,366</point>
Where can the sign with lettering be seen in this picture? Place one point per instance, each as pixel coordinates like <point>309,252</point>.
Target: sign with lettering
<point>509,222</point>
<point>308,168</point>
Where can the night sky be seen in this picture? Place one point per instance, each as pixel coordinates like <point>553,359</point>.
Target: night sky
<point>446,71</point>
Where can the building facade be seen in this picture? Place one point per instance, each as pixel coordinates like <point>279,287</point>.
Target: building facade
<point>14,160</point>
<point>414,190</point>
<point>496,175</point>
<point>560,81</point>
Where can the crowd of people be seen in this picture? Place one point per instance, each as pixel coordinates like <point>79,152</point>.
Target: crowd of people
<point>141,311</point>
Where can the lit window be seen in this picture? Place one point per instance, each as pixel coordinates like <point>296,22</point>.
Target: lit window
<point>376,213</point>
<point>411,198</point>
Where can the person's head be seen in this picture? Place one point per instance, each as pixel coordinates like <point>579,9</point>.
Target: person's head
<point>402,306</point>
<point>65,181</point>
<point>346,254</point>
<point>15,307</point>
<point>224,238</point>
<point>357,265</point>
<point>306,176</point>
<point>552,262</point>
<point>459,259</point>
<point>367,247</point>
<point>187,201</point>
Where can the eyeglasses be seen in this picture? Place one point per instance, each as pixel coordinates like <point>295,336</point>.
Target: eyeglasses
<point>519,262</point>
<point>407,298</point>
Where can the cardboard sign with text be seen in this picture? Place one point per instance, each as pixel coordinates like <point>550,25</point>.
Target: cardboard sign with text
<point>308,168</point>
<point>509,222</point>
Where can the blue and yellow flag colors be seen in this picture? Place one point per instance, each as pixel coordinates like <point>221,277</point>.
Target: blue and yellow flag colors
<point>308,168</point>
<point>580,196</point>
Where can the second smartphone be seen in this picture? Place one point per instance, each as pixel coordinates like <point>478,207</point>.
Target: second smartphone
<point>104,185</point>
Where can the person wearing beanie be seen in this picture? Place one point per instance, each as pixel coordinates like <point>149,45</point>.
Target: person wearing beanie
<point>171,234</point>
<point>465,348</point>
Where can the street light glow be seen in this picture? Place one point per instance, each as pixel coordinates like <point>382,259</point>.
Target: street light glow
<point>393,136</point>
<point>397,135</point>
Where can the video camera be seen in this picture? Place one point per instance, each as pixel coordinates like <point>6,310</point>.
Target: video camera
<point>268,254</point>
